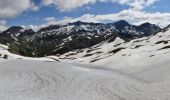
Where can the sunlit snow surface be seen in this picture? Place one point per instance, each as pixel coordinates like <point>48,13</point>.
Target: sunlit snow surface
<point>141,73</point>
<point>37,80</point>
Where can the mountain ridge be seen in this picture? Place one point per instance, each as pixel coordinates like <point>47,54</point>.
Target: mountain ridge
<point>59,39</point>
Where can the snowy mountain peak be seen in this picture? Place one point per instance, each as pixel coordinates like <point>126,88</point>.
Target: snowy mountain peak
<point>121,23</point>
<point>60,39</point>
<point>14,29</point>
<point>119,70</point>
<point>166,28</point>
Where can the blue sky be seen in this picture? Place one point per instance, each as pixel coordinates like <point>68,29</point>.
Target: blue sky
<point>50,11</point>
<point>56,12</point>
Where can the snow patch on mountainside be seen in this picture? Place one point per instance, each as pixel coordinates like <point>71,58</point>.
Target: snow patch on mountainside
<point>4,52</point>
<point>118,70</point>
<point>123,56</point>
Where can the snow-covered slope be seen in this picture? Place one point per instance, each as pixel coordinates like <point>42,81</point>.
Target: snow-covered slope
<point>60,39</point>
<point>124,56</point>
<point>119,70</point>
<point>38,80</point>
<point>4,52</point>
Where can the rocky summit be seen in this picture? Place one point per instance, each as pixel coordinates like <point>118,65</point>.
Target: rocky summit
<point>59,39</point>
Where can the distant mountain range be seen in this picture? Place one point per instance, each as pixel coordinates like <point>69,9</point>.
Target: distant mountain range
<point>60,39</point>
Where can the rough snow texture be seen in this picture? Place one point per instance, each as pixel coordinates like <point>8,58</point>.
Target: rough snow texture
<point>34,80</point>
<point>135,70</point>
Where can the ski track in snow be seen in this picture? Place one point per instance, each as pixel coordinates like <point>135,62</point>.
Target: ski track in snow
<point>138,75</point>
<point>36,80</point>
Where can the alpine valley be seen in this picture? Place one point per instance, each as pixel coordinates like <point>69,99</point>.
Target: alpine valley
<point>60,39</point>
<point>85,61</point>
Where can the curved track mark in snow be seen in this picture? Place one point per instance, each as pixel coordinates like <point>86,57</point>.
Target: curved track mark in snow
<point>31,80</point>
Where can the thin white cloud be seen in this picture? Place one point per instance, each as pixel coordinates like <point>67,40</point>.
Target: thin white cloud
<point>33,27</point>
<point>49,19</point>
<point>11,8</point>
<point>69,5</point>
<point>133,16</point>
<point>3,25</point>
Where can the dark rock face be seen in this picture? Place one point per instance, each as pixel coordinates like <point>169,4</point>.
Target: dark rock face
<point>166,28</point>
<point>14,33</point>
<point>59,39</point>
<point>148,29</point>
<point>120,25</point>
<point>9,35</point>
